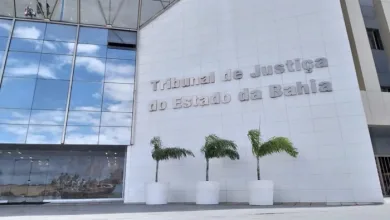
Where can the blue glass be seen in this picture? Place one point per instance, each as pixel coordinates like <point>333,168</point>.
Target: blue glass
<point>120,71</point>
<point>5,27</point>
<point>17,93</point>
<point>118,97</point>
<point>14,116</point>
<point>58,32</point>
<point>93,36</point>
<point>26,45</point>
<point>58,47</point>
<point>114,136</point>
<point>116,119</point>
<point>84,118</point>
<point>43,134</point>
<point>1,57</point>
<point>13,134</point>
<point>21,64</point>
<point>120,54</point>
<point>45,117</point>
<point>29,30</point>
<point>55,66</point>
<point>82,135</point>
<point>86,96</point>
<point>91,50</point>
<point>122,37</point>
<point>89,69</point>
<point>51,94</point>
<point>3,43</point>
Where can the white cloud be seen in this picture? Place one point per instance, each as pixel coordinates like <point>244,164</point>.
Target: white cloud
<point>87,49</point>
<point>5,26</point>
<point>27,32</point>
<point>91,64</point>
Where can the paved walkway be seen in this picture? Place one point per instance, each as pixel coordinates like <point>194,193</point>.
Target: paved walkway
<point>192,212</point>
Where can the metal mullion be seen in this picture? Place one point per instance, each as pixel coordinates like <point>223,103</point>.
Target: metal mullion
<point>6,51</point>
<point>15,8</point>
<point>78,11</point>
<point>54,8</point>
<point>70,86</point>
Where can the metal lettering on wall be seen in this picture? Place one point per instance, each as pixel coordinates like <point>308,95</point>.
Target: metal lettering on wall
<point>246,94</point>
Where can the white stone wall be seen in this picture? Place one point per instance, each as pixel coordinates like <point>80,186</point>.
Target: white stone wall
<point>196,37</point>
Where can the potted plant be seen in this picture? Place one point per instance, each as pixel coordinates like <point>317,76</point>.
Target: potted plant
<point>261,192</point>
<point>207,192</point>
<point>157,193</point>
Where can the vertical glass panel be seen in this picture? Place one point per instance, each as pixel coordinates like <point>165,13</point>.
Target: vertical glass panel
<point>93,36</point>
<point>58,32</point>
<point>5,27</point>
<point>13,133</point>
<point>58,47</point>
<point>44,117</point>
<point>86,96</point>
<point>120,71</point>
<point>151,8</point>
<point>55,67</point>
<point>34,9</point>
<point>91,50</point>
<point>26,45</point>
<point>114,136</point>
<point>94,12</point>
<point>17,93</point>
<point>29,30</point>
<point>84,118</point>
<point>3,43</point>
<point>82,135</point>
<point>116,119</point>
<point>51,94</point>
<point>65,11</point>
<point>124,13</point>
<point>117,53</point>
<point>89,69</point>
<point>7,8</point>
<point>14,116</point>
<point>38,134</point>
<point>118,97</point>
<point>21,64</point>
<point>1,57</point>
<point>122,37</point>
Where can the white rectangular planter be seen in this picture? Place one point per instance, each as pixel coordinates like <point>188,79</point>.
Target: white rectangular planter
<point>207,193</point>
<point>156,194</point>
<point>261,192</point>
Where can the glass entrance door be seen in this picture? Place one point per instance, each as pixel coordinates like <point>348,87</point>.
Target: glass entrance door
<point>30,180</point>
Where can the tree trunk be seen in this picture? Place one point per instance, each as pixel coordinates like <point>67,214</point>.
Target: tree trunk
<point>156,179</point>
<point>207,169</point>
<point>258,168</point>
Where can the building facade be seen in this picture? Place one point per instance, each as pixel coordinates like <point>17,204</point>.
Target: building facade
<point>86,84</point>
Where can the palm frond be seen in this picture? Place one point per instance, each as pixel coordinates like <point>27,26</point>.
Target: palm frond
<point>276,145</point>
<point>216,147</point>
<point>171,153</point>
<point>156,143</point>
<point>255,139</point>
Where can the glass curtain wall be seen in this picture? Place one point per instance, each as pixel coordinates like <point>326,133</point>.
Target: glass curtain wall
<point>34,93</point>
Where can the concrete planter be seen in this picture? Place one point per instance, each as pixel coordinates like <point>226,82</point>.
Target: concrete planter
<point>156,194</point>
<point>261,192</point>
<point>207,193</point>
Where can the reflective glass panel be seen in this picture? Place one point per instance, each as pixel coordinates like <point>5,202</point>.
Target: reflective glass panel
<point>118,97</point>
<point>120,71</point>
<point>55,66</point>
<point>21,64</point>
<point>84,118</point>
<point>44,117</point>
<point>26,45</point>
<point>42,134</point>
<point>94,12</point>
<point>151,8</point>
<point>7,8</point>
<point>120,54</point>
<point>50,94</point>
<point>29,30</point>
<point>5,27</point>
<point>91,50</point>
<point>86,96</point>
<point>58,47</point>
<point>3,43</point>
<point>122,37</point>
<point>89,69</point>
<point>14,116</point>
<point>34,9</point>
<point>116,119</point>
<point>17,93</point>
<point>13,133</point>
<point>114,136</point>
<point>65,11</point>
<point>58,32</point>
<point>1,57</point>
<point>93,36</point>
<point>124,13</point>
<point>82,135</point>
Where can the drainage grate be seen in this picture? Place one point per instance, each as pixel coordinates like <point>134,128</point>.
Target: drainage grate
<point>383,165</point>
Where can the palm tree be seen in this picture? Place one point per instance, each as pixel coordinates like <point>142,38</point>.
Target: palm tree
<point>159,153</point>
<point>273,145</point>
<point>216,147</point>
